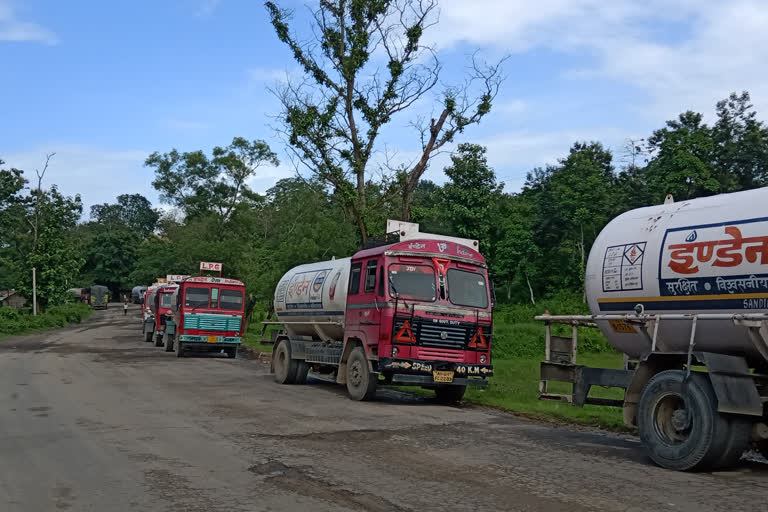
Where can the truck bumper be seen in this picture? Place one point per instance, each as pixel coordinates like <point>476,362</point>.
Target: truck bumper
<point>210,340</point>
<point>410,371</point>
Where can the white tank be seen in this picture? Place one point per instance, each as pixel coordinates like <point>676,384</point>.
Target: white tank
<point>316,294</point>
<point>707,255</point>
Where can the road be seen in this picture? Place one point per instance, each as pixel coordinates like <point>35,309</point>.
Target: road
<point>92,418</point>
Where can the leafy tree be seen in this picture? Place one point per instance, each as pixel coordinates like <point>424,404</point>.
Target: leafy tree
<point>199,185</point>
<point>12,211</point>
<point>132,211</point>
<point>334,117</point>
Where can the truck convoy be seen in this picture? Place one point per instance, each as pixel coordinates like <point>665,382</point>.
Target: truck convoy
<point>682,290</point>
<point>416,312</point>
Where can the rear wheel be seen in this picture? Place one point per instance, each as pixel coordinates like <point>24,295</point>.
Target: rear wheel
<point>159,340</point>
<point>361,381</point>
<point>680,427</point>
<point>302,369</point>
<point>284,367</point>
<point>147,336</point>
<point>169,342</point>
<point>232,352</point>
<point>180,349</point>
<point>450,394</point>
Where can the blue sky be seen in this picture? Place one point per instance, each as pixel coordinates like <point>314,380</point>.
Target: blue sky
<point>103,84</point>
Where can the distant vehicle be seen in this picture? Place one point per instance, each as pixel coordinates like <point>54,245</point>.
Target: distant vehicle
<point>207,316</point>
<point>417,312</point>
<point>682,290</point>
<point>79,294</point>
<point>147,316</point>
<point>137,294</point>
<point>99,297</point>
<point>159,303</point>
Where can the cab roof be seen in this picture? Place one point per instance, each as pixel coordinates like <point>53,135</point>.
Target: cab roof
<point>427,248</point>
<point>213,280</point>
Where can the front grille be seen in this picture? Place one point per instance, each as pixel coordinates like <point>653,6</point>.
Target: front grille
<point>432,335</point>
<point>425,353</point>
<point>207,322</point>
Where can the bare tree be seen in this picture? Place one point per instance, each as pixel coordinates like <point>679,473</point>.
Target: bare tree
<point>37,193</point>
<point>364,64</point>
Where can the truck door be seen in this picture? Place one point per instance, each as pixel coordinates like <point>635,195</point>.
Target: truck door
<point>363,312</point>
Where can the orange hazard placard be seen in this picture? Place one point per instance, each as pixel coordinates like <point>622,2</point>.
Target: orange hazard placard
<point>405,334</point>
<point>478,340</point>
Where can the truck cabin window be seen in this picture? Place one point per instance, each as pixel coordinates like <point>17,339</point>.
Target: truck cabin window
<point>370,276</point>
<point>354,278</point>
<point>231,299</point>
<point>165,300</point>
<point>414,282</point>
<point>467,288</point>
<point>196,298</point>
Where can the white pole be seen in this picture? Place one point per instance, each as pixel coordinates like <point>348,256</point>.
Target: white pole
<point>34,292</point>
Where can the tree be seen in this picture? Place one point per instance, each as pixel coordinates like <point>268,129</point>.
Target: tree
<point>200,186</point>
<point>132,211</point>
<point>12,209</point>
<point>332,119</point>
<point>469,195</point>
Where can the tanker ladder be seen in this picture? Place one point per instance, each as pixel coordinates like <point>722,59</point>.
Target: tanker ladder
<point>664,390</point>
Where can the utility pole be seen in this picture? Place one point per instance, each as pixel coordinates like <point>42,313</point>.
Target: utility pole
<point>34,291</point>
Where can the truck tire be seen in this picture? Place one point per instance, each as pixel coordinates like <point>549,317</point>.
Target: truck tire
<point>679,424</point>
<point>361,382</point>
<point>158,340</point>
<point>285,367</point>
<point>147,336</point>
<point>762,447</point>
<point>169,342</point>
<point>232,352</point>
<point>302,369</point>
<point>179,349</point>
<point>450,394</point>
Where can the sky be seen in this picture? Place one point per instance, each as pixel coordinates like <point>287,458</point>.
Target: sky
<point>104,84</point>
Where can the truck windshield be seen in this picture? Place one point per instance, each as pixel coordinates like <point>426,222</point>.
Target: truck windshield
<point>467,288</point>
<point>231,299</point>
<point>165,300</point>
<point>196,298</point>
<point>414,282</point>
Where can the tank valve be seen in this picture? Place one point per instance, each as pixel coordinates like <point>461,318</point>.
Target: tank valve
<point>639,309</point>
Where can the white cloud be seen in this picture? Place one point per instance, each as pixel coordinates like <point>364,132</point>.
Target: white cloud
<point>207,7</point>
<point>15,30</point>
<point>98,175</point>
<point>681,53</point>
<point>266,75</point>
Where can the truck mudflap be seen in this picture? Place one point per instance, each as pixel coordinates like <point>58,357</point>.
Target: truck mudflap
<point>410,371</point>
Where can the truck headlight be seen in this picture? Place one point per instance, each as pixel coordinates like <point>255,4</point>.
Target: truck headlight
<point>483,359</point>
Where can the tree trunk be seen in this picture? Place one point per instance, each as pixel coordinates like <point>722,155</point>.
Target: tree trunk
<point>530,289</point>
<point>407,199</point>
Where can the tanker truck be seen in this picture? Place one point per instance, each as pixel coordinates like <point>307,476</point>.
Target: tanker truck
<point>681,289</point>
<point>415,312</point>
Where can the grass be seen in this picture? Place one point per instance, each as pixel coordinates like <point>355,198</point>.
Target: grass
<point>13,322</point>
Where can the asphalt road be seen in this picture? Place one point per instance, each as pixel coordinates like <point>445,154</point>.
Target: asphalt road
<point>92,418</point>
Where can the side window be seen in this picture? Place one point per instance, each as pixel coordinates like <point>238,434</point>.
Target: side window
<point>370,276</point>
<point>381,281</point>
<point>354,278</point>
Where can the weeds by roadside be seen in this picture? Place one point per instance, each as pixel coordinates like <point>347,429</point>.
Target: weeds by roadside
<point>14,321</point>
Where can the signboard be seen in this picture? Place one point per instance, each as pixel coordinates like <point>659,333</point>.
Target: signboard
<point>161,280</point>
<point>175,278</point>
<point>401,227</point>
<point>207,265</point>
<point>729,260</point>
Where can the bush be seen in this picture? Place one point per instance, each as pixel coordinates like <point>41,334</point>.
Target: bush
<point>18,322</point>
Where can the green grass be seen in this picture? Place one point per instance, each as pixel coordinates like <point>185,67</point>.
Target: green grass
<point>514,387</point>
<point>13,322</point>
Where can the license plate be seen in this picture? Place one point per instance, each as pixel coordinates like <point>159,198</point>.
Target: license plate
<point>213,339</point>
<point>442,376</point>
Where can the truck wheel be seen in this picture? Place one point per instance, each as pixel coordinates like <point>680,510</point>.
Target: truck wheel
<point>361,382</point>
<point>302,369</point>
<point>147,336</point>
<point>679,424</point>
<point>450,394</point>
<point>180,349</point>
<point>232,352</point>
<point>158,340</point>
<point>285,367</point>
<point>169,342</point>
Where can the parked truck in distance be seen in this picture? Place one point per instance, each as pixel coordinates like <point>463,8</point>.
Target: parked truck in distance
<point>161,313</point>
<point>415,312</point>
<point>682,290</point>
<point>207,316</point>
<point>99,297</point>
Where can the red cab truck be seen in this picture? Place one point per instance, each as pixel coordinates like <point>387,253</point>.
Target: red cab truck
<point>416,312</point>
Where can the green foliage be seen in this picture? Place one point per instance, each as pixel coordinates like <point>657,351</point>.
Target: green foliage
<point>133,212</point>
<point>14,321</point>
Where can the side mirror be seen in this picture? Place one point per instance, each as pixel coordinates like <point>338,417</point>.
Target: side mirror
<point>493,294</point>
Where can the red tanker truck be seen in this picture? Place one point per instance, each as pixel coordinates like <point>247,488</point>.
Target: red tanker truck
<point>417,312</point>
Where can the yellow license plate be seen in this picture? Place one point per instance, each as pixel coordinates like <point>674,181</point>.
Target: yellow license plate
<point>213,339</point>
<point>442,376</point>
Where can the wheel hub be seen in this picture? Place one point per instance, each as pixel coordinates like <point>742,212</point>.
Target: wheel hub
<point>681,420</point>
<point>355,376</point>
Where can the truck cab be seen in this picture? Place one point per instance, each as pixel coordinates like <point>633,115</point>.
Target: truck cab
<point>162,311</point>
<point>207,316</point>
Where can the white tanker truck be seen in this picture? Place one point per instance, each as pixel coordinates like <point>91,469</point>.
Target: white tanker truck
<point>682,290</point>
